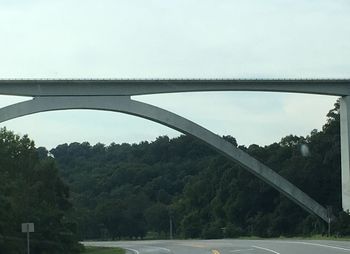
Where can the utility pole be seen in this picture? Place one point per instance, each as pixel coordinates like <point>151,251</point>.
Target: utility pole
<point>171,227</point>
<point>329,215</point>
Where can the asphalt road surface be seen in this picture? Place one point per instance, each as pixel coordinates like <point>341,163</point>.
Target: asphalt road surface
<point>229,246</point>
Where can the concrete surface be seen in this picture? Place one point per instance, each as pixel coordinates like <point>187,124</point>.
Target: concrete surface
<point>42,87</point>
<point>345,150</point>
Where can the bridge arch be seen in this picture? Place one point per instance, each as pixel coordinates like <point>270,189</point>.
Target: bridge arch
<point>125,104</point>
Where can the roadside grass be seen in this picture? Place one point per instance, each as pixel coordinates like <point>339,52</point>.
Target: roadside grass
<point>103,250</point>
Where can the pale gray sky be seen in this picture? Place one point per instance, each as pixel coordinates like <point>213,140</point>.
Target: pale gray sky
<point>177,39</point>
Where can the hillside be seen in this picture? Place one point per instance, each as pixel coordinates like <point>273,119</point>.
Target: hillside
<point>129,190</point>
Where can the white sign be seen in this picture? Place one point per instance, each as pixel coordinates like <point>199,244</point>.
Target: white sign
<point>27,227</point>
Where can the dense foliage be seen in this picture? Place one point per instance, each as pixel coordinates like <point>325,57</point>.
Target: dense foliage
<point>32,191</point>
<point>133,190</point>
<point>127,190</point>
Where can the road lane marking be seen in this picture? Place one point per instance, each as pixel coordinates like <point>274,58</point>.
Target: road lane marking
<point>133,250</point>
<point>321,245</point>
<point>161,248</point>
<point>261,248</point>
<point>240,250</point>
<point>192,245</point>
<point>215,252</point>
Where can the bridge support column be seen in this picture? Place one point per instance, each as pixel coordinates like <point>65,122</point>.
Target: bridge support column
<point>345,150</point>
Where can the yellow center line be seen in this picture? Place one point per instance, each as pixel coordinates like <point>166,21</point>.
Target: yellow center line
<point>215,252</point>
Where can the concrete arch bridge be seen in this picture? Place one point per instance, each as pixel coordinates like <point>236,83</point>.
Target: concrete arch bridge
<point>115,95</point>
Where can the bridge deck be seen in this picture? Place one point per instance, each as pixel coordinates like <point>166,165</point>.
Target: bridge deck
<point>108,87</point>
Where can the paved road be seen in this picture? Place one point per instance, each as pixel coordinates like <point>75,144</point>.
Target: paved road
<point>229,247</point>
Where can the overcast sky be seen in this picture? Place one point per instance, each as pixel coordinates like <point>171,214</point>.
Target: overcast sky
<point>177,39</point>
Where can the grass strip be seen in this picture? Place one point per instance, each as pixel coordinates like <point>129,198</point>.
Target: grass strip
<point>103,250</point>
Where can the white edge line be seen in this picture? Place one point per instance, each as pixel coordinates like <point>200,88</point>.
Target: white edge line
<point>261,248</point>
<point>322,245</point>
<point>240,250</point>
<point>161,248</point>
<point>135,251</point>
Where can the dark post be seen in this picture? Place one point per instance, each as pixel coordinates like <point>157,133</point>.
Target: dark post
<point>329,215</point>
<point>171,228</point>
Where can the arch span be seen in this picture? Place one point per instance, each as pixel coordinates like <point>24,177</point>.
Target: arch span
<point>125,104</point>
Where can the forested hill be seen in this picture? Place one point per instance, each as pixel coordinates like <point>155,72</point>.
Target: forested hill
<point>124,190</point>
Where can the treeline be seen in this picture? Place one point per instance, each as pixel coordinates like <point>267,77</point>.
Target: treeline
<point>127,190</point>
<point>32,191</point>
<point>133,190</point>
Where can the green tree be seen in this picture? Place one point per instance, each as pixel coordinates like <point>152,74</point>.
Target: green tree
<point>31,191</point>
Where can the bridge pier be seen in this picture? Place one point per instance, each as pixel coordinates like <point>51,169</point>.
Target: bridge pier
<point>345,150</point>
